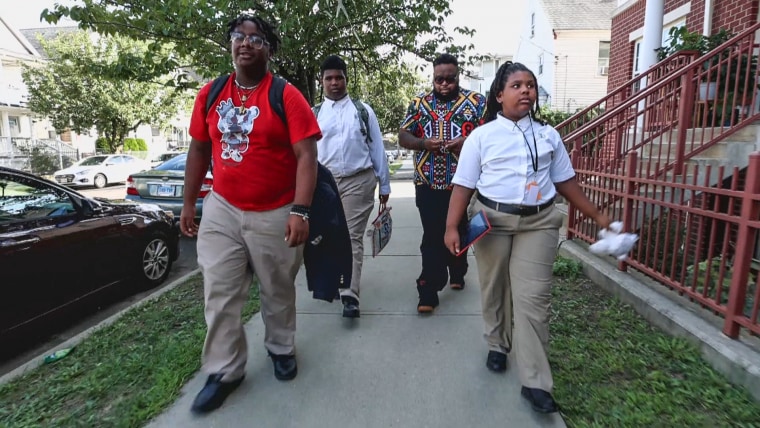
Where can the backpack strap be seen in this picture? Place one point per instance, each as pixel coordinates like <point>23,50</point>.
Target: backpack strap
<point>364,116</point>
<point>216,89</point>
<point>316,109</point>
<point>276,92</point>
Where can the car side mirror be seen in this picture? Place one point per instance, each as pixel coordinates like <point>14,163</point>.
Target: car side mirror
<point>90,208</point>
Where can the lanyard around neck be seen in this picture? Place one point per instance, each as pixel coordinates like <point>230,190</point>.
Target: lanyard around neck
<point>534,151</point>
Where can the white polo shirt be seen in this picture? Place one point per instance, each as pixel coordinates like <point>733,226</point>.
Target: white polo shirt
<point>496,160</point>
<point>343,149</point>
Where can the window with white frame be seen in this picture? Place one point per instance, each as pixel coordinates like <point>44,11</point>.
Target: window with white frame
<point>604,58</point>
<point>15,124</point>
<point>541,64</point>
<point>638,42</point>
<point>636,57</point>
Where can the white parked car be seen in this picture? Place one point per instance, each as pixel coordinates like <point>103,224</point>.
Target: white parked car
<point>100,170</point>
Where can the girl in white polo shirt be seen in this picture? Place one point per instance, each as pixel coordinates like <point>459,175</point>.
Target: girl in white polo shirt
<point>518,164</point>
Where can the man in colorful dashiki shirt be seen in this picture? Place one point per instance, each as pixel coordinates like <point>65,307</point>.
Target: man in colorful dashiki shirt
<point>435,127</point>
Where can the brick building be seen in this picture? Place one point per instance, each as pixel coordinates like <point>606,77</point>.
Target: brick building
<point>705,16</point>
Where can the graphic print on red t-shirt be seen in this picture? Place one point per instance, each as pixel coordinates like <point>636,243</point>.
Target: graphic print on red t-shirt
<point>235,123</point>
<point>254,164</point>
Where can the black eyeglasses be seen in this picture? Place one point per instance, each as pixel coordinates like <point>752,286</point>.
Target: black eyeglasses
<point>255,41</point>
<point>445,79</point>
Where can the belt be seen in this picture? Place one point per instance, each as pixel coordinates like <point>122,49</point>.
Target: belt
<point>521,210</point>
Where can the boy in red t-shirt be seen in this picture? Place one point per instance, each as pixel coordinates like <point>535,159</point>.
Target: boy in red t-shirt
<point>264,178</point>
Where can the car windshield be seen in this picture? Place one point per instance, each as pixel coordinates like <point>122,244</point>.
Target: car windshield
<point>93,160</point>
<point>176,163</point>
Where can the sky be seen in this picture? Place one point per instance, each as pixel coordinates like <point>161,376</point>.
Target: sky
<point>495,21</point>
<point>491,19</point>
<point>28,15</point>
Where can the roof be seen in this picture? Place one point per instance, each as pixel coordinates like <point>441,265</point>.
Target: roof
<point>580,14</point>
<point>47,33</point>
<point>21,45</point>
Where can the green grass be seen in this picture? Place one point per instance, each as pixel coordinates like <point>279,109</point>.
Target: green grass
<point>124,374</point>
<point>612,369</point>
<point>394,166</point>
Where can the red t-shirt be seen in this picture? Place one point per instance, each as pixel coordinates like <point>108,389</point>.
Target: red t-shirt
<point>254,161</point>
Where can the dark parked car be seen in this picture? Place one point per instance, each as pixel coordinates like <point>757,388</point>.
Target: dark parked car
<point>62,254</point>
<point>164,186</point>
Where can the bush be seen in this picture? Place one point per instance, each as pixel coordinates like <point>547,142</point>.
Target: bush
<point>101,145</point>
<point>42,162</point>
<point>553,117</point>
<point>567,268</point>
<point>135,145</point>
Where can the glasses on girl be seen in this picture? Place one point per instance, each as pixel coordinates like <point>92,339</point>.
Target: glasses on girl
<point>254,40</point>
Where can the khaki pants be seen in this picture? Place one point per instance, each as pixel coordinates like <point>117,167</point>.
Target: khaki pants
<point>515,268</point>
<point>357,194</point>
<point>233,245</point>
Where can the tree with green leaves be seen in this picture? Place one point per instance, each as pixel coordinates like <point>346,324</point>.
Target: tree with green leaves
<point>370,33</point>
<point>388,90</point>
<point>76,89</point>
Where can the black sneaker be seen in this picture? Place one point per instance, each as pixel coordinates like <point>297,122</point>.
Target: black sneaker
<point>285,367</point>
<point>350,307</point>
<point>540,400</point>
<point>428,298</point>
<point>213,393</point>
<point>496,361</point>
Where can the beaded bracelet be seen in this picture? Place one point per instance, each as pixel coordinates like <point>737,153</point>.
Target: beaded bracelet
<point>304,216</point>
<point>301,211</point>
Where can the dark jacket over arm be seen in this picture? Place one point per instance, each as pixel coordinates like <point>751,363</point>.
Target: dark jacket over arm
<point>327,254</point>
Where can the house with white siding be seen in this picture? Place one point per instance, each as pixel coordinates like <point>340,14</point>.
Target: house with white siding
<point>15,118</point>
<point>481,75</point>
<point>567,45</point>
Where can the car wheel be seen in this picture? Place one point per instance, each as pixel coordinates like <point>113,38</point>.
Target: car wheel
<point>155,261</point>
<point>100,181</point>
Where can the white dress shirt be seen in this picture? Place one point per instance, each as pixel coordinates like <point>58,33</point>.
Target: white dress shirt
<point>496,159</point>
<point>343,149</point>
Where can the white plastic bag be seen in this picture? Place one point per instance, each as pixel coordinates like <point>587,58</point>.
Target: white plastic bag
<point>613,242</point>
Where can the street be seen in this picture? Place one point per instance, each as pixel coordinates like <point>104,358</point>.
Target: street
<point>186,263</point>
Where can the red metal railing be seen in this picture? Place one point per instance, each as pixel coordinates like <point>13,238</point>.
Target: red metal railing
<point>645,161</point>
<point>669,65</point>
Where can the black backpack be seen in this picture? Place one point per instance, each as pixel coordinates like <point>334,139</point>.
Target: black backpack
<point>275,95</point>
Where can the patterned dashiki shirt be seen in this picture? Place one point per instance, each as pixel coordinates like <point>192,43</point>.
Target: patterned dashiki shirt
<point>428,117</point>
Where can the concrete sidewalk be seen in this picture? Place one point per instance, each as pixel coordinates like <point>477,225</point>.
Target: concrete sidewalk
<point>389,368</point>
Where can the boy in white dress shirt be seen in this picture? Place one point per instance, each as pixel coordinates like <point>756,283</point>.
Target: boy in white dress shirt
<point>353,151</point>
<point>518,164</point>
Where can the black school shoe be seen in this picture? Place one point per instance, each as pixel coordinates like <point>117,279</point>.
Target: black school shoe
<point>496,361</point>
<point>350,307</point>
<point>540,400</point>
<point>213,393</point>
<point>285,367</point>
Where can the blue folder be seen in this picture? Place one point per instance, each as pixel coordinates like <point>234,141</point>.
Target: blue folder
<point>477,227</point>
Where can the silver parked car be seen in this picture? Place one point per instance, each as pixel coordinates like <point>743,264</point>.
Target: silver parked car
<point>164,186</point>
<point>163,157</point>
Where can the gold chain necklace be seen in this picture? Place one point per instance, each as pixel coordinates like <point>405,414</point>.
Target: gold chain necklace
<point>244,92</point>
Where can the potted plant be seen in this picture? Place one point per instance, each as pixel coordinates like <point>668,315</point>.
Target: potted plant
<point>680,39</point>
